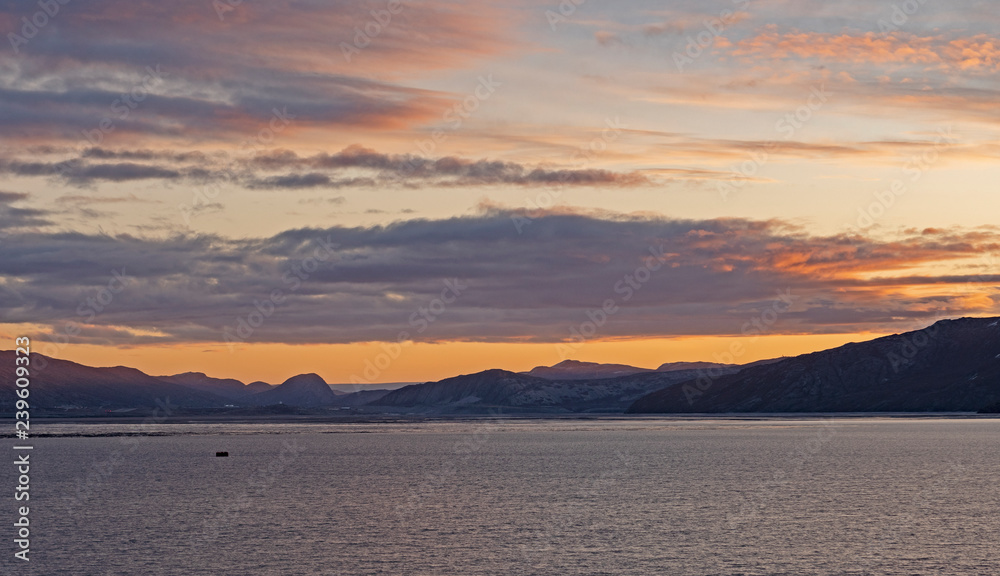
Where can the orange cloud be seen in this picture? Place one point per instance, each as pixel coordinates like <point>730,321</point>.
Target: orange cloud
<point>976,53</point>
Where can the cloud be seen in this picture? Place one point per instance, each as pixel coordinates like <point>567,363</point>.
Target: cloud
<point>709,277</point>
<point>310,180</point>
<point>77,114</point>
<point>661,28</point>
<point>980,53</point>
<point>8,197</point>
<point>78,172</point>
<point>324,200</point>
<point>19,218</point>
<point>337,170</point>
<point>948,70</point>
<point>605,38</point>
<point>82,199</point>
<point>194,76</point>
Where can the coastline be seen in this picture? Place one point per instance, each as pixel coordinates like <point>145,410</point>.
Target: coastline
<point>512,417</point>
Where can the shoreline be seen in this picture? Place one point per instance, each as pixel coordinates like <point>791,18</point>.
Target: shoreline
<point>512,417</point>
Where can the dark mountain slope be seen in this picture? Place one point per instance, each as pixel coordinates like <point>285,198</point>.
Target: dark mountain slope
<point>674,366</point>
<point>258,386</point>
<point>225,387</point>
<point>301,390</point>
<point>575,370</point>
<point>953,365</point>
<point>511,392</point>
<point>61,383</point>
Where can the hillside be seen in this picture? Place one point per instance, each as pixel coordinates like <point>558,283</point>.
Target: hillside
<point>68,385</point>
<point>302,390</point>
<point>575,370</point>
<point>953,365</point>
<point>505,391</point>
<point>225,387</point>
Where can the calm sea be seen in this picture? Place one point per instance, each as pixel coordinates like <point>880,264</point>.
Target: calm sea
<point>644,497</point>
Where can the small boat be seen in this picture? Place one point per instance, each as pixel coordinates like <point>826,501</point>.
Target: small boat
<point>222,454</point>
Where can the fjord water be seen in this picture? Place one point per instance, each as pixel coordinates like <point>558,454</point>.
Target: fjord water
<point>644,497</point>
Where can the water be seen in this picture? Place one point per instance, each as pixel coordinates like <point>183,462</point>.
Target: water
<point>650,497</point>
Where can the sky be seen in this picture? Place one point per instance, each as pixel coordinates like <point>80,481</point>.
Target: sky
<point>404,191</point>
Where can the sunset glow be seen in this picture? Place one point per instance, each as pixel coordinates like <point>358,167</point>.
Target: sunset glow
<point>505,185</point>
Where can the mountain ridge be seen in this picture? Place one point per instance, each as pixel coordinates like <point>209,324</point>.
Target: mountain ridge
<point>497,390</point>
<point>226,387</point>
<point>950,366</point>
<point>305,390</point>
<point>70,384</point>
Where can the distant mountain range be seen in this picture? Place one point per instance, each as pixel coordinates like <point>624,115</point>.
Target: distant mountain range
<point>64,386</point>
<point>67,385</point>
<point>953,365</point>
<point>225,387</point>
<point>503,391</point>
<point>575,370</point>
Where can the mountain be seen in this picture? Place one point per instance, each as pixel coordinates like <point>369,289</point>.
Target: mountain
<point>301,390</point>
<point>991,409</point>
<point>575,370</point>
<point>674,366</point>
<point>360,398</point>
<point>353,387</point>
<point>953,365</point>
<point>225,387</point>
<point>500,390</point>
<point>258,386</point>
<point>61,384</point>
